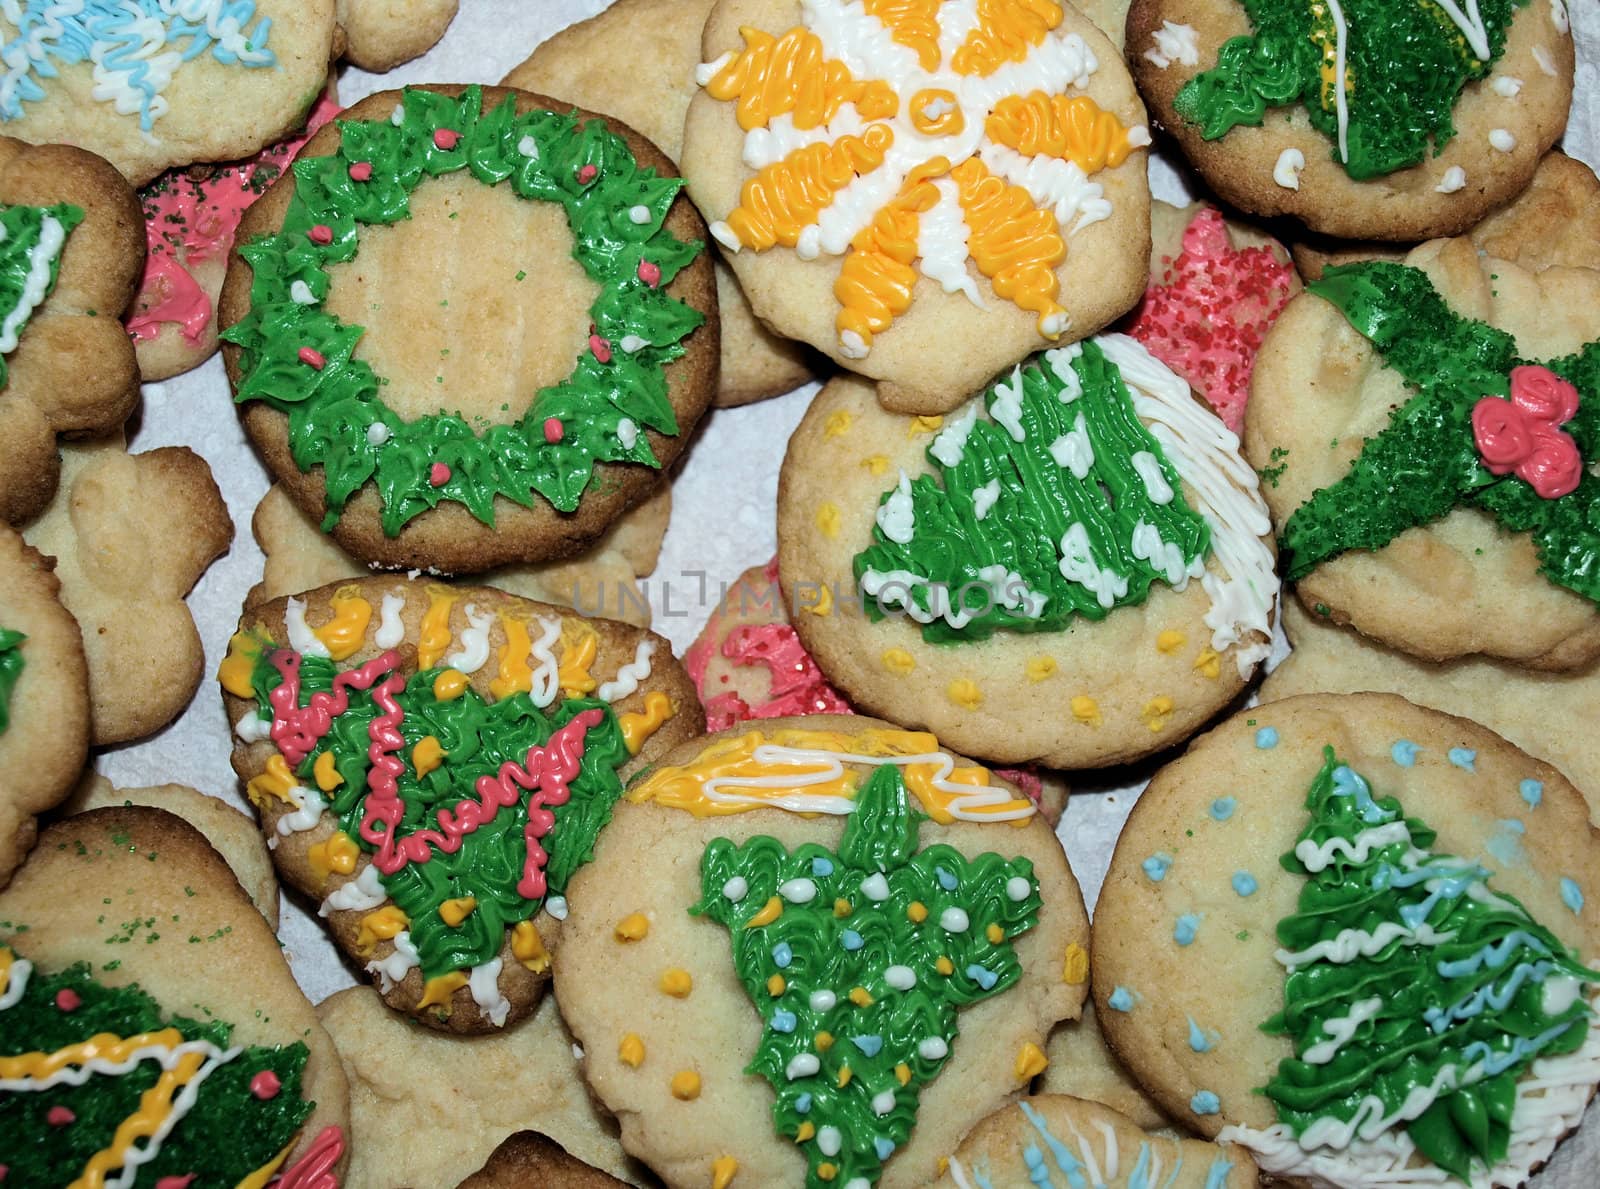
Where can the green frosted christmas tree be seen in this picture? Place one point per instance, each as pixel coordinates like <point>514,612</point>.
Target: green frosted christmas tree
<point>859,968</point>
<point>31,241</point>
<point>1408,975</point>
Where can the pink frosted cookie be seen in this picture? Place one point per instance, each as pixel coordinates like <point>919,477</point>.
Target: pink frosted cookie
<point>189,224</point>
<point>1215,290</point>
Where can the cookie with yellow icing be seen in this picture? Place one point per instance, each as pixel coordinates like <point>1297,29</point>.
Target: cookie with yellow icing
<point>1056,1135</point>
<point>817,949</point>
<point>924,194</point>
<point>432,763</point>
<point>146,1010</point>
<point>968,574</point>
<point>1358,937</point>
<point>636,60</point>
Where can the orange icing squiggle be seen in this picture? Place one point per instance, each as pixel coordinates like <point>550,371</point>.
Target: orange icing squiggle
<point>344,633</point>
<point>105,1045</point>
<point>775,76</point>
<point>155,1104</point>
<point>786,196</point>
<point>876,279</point>
<point>515,674</point>
<point>434,636</point>
<point>1013,243</point>
<point>913,23</point>
<point>1007,30</point>
<point>637,726</point>
<point>1076,129</point>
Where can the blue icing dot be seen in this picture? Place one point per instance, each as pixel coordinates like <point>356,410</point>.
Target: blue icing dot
<point>1198,1040</point>
<point>802,1104</point>
<point>984,978</point>
<point>1183,932</point>
<point>1404,752</point>
<point>1121,999</point>
<point>1505,844</point>
<point>1155,867</point>
<point>883,1146</point>
<point>870,1045</point>
<point>946,880</point>
<point>783,1021</point>
<point>1244,883</point>
<point>1267,738</point>
<point>850,939</point>
<point>1222,808</point>
<point>1571,894</point>
<point>782,955</point>
<point>1464,758</point>
<point>1205,1103</point>
<point>821,866</point>
<point>1532,792</point>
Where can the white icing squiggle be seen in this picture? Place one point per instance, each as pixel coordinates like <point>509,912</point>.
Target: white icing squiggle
<point>16,982</point>
<point>36,286</point>
<point>252,728</point>
<point>1174,43</point>
<point>1341,102</point>
<point>1316,857</point>
<point>630,675</point>
<point>897,515</point>
<point>546,682</point>
<point>308,810</point>
<point>391,631</point>
<point>951,442</point>
<point>1287,171</point>
<point>361,894</point>
<point>942,240</point>
<point>474,651</point>
<point>392,969</point>
<point>1005,588</point>
<point>301,638</point>
<point>484,984</point>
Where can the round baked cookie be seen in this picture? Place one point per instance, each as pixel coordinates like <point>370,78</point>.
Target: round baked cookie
<point>129,952</point>
<point>527,1158</point>
<point>636,60</point>
<point>464,416</point>
<point>1000,151</point>
<point>1447,111</point>
<point>879,998</point>
<point>44,696</point>
<point>1216,287</point>
<point>379,35</point>
<point>1083,1066</point>
<point>994,596</point>
<point>151,84</point>
<point>433,762</point>
<point>1378,913</point>
<point>1058,1135</point>
<point>1413,500</point>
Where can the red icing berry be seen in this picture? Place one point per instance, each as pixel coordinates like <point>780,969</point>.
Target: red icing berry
<point>446,138</point>
<point>59,1116</point>
<point>588,173</point>
<point>601,348</point>
<point>313,358</point>
<point>554,431</point>
<point>68,1000</point>
<point>320,234</point>
<point>361,171</point>
<point>182,1182</point>
<point>438,474</point>
<point>265,1085</point>
<point>650,273</point>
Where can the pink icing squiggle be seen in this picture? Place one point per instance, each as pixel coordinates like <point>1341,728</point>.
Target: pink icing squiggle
<point>314,1170</point>
<point>296,730</point>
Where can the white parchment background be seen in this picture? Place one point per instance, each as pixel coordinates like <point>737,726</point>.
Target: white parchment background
<point>724,501</point>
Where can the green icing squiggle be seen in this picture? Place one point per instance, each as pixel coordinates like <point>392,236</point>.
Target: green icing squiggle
<point>854,1121</point>
<point>12,662</point>
<point>1406,63</point>
<point>23,248</point>
<point>1464,994</point>
<point>542,155</point>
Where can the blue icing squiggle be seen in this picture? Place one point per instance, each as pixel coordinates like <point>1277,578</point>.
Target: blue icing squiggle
<point>1464,758</point>
<point>1404,752</point>
<point>1155,867</point>
<point>1488,995</point>
<point>1217,1174</point>
<point>1494,955</point>
<point>1244,883</point>
<point>1222,808</point>
<point>1068,1164</point>
<point>1571,894</point>
<point>1532,792</point>
<point>1267,738</point>
<point>1347,782</point>
<point>1205,1103</point>
<point>1186,927</point>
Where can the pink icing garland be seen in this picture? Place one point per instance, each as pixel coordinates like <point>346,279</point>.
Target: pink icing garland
<point>314,1170</point>
<point>1206,316</point>
<point>296,730</point>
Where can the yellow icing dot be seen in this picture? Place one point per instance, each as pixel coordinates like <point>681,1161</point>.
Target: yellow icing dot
<point>776,985</point>
<point>275,781</point>
<point>844,1076</point>
<point>723,1170</point>
<point>898,661</point>
<point>936,112</point>
<point>823,1041</point>
<point>1086,710</point>
<point>1075,965</point>
<point>686,1085</point>
<point>676,982</point>
<point>921,425</point>
<point>837,424</point>
<point>917,911</point>
<point>1157,711</point>
<point>1041,668</point>
<point>994,933</point>
<point>1208,663</point>
<point>632,927</point>
<point>770,911</point>
<point>860,996</point>
<point>433,639</point>
<point>453,912</point>
<point>427,755</point>
<point>326,774</point>
<point>902,1073</point>
<point>1170,641</point>
<point>965,693</point>
<point>631,1050</point>
<point>1031,1062</point>
<point>876,464</point>
<point>823,605</point>
<point>828,520</point>
<point>944,966</point>
<point>437,992</point>
<point>804,1132</point>
<point>944,1164</point>
<point>234,672</point>
<point>638,726</point>
<point>382,925</point>
<point>514,674</point>
<point>842,908</point>
<point>826,1171</point>
<point>336,854</point>
<point>344,633</point>
<point>527,947</point>
<point>450,685</point>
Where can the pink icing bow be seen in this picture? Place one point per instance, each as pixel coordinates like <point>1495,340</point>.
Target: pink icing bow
<point>1522,436</point>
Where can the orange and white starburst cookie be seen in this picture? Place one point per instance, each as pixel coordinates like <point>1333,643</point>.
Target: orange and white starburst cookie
<point>924,191</point>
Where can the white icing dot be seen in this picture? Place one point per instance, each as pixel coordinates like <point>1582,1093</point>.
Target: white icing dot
<point>875,888</point>
<point>398,115</point>
<point>883,1102</point>
<point>378,433</point>
<point>798,891</point>
<point>1501,139</point>
<point>1507,85</point>
<point>252,728</point>
<point>1054,325</point>
<point>852,345</point>
<point>736,888</point>
<point>725,236</point>
<point>932,1048</point>
<point>823,1000</point>
<point>556,906</point>
<point>627,433</point>
<point>901,978</point>
<point>1287,171</point>
<point>829,1140</point>
<point>1017,888</point>
<point>632,342</point>
<point>1455,178</point>
<point>803,1065</point>
<point>300,293</point>
<point>953,920</point>
<point>577,1051</point>
<point>639,214</point>
<point>529,148</point>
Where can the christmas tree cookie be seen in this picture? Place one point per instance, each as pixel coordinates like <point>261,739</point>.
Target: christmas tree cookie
<point>1070,568</point>
<point>806,954</point>
<point>1427,431</point>
<point>1355,936</point>
<point>1364,119</point>
<point>434,763</point>
<point>429,410</point>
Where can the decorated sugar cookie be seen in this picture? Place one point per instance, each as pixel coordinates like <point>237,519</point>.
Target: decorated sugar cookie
<point>1364,119</point>
<point>1427,430</point>
<point>150,1030</point>
<point>968,574</point>
<point>1357,937</point>
<point>433,763</point>
<point>1046,1136</point>
<point>492,415</point>
<point>70,257</point>
<point>827,947</point>
<point>925,194</point>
